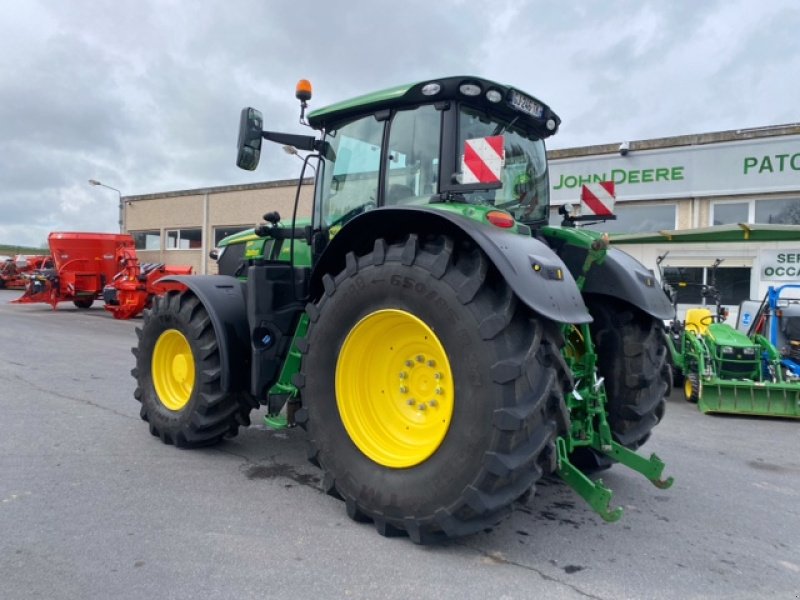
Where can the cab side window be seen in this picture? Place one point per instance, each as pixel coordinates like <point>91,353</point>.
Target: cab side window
<point>412,161</point>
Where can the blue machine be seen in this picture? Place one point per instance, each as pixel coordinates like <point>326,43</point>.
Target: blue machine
<point>778,319</point>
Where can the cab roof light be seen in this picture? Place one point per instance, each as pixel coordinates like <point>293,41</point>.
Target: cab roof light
<point>493,96</point>
<point>431,89</point>
<point>469,88</point>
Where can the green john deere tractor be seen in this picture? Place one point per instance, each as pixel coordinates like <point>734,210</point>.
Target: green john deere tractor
<point>443,347</point>
<point>725,370</point>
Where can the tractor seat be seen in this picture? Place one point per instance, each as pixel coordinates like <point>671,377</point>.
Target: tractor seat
<point>698,319</point>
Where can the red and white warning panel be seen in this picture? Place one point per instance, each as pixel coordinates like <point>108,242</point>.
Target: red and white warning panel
<point>483,160</point>
<point>597,199</point>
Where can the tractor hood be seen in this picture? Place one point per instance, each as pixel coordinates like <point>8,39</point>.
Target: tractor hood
<point>723,334</point>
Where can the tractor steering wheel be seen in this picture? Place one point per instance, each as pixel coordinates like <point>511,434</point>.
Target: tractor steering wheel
<point>708,320</point>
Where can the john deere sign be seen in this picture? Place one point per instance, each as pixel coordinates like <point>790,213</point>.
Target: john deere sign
<point>621,176</point>
<point>729,168</point>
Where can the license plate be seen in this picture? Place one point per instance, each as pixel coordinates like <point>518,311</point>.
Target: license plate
<point>525,104</point>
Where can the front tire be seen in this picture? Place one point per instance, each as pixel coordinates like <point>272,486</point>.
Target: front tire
<point>178,375</point>
<point>400,324</point>
<point>691,387</point>
<point>632,357</point>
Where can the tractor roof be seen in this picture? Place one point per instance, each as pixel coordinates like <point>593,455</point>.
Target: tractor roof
<point>503,100</point>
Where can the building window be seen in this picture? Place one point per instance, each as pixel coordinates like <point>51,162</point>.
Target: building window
<point>147,240</point>
<point>220,233</point>
<point>778,212</point>
<point>184,239</point>
<point>726,213</point>
<point>639,219</point>
<point>733,283</point>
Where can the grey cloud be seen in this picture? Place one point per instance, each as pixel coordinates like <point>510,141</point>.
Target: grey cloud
<point>145,96</point>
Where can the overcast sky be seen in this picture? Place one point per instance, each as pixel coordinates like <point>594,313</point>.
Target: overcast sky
<point>145,95</point>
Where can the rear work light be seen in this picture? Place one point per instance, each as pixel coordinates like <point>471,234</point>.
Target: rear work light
<point>500,219</point>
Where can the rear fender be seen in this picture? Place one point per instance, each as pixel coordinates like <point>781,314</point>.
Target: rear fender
<point>534,272</point>
<point>623,277</point>
<point>223,298</point>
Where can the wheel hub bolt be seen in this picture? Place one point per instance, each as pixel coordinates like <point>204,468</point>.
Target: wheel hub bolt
<point>431,363</point>
<point>403,374</point>
<point>433,403</point>
<point>403,389</point>
<point>411,402</point>
<point>437,375</point>
<point>439,391</point>
<point>422,406</point>
<point>420,358</point>
<point>409,363</point>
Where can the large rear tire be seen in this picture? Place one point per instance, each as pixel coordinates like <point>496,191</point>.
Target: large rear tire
<point>432,396</point>
<point>632,357</point>
<point>178,375</point>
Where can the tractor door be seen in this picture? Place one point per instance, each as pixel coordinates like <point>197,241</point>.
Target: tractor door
<point>364,171</point>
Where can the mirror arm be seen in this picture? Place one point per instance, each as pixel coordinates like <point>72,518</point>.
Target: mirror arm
<point>301,142</point>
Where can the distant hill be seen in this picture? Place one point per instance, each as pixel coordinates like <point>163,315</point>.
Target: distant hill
<point>12,250</point>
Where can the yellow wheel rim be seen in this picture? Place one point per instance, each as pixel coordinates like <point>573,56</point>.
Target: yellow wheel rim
<point>173,369</point>
<point>394,388</point>
<point>688,388</point>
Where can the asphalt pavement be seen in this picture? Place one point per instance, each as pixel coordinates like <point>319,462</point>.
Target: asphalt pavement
<point>92,506</point>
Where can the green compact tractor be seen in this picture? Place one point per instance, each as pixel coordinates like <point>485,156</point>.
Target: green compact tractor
<point>723,369</point>
<point>443,347</point>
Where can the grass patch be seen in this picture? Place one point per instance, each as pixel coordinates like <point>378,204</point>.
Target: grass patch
<point>11,250</point>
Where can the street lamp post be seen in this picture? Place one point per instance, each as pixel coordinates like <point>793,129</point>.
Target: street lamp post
<point>119,194</point>
<point>292,151</point>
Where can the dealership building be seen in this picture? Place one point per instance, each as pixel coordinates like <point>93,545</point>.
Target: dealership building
<point>692,200</point>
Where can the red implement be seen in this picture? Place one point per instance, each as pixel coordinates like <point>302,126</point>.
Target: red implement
<point>88,266</point>
<point>13,271</point>
<point>133,288</point>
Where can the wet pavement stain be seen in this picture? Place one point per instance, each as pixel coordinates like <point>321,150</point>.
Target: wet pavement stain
<point>570,569</point>
<point>773,468</point>
<point>276,471</point>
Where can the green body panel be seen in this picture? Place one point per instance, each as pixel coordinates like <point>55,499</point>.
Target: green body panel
<point>241,237</point>
<point>478,212</point>
<point>364,102</point>
<point>284,385</point>
<point>261,247</point>
<point>725,335</point>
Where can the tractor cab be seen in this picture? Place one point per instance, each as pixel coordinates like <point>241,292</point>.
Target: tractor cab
<point>459,142</point>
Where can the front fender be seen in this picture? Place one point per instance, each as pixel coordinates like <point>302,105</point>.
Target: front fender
<point>534,272</point>
<point>223,297</point>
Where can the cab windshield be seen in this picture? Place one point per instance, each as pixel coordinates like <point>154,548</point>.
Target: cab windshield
<point>517,176</point>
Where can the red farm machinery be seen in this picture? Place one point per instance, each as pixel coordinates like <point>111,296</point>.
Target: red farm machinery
<point>89,266</point>
<point>14,271</point>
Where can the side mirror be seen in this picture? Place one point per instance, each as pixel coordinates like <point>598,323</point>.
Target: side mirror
<point>250,129</point>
